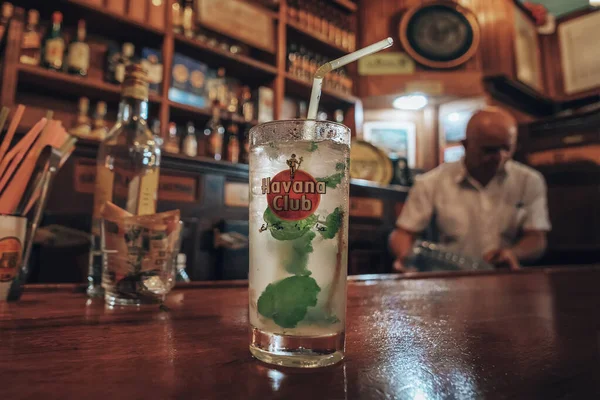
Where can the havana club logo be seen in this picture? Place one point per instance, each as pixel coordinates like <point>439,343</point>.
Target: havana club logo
<point>293,194</point>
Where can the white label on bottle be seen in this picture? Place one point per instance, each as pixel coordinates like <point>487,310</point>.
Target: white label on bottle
<point>55,49</point>
<point>79,56</point>
<point>120,72</point>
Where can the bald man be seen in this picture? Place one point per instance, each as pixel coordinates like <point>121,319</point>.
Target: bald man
<point>485,206</point>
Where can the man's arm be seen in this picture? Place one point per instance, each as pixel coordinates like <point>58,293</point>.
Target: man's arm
<point>531,246</point>
<point>414,217</point>
<point>401,242</point>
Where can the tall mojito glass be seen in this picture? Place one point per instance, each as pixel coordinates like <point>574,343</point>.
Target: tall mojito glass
<point>298,241</point>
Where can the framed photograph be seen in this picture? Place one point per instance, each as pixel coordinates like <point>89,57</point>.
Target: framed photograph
<point>580,53</point>
<point>527,51</point>
<point>397,139</point>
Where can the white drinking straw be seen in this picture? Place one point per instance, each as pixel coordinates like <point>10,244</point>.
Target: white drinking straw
<point>315,95</point>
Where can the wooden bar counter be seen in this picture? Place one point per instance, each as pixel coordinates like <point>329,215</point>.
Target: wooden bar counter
<point>532,334</point>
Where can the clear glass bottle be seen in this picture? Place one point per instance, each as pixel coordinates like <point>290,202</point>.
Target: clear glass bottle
<point>78,56</point>
<point>99,126</point>
<point>177,16</point>
<point>7,13</point>
<point>188,19</point>
<point>127,171</point>
<point>172,142</point>
<point>54,44</point>
<point>31,42</point>
<point>292,59</point>
<point>83,125</point>
<point>213,134</point>
<point>190,143</point>
<point>247,104</point>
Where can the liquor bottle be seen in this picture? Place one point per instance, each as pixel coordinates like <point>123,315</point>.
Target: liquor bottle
<point>78,56</point>
<point>304,64</point>
<point>292,59</point>
<point>188,19</point>
<point>127,166</point>
<point>213,134</point>
<point>125,60</point>
<point>247,104</point>
<point>177,15</point>
<point>338,116</point>
<point>172,142</point>
<point>302,110</point>
<point>221,87</point>
<point>245,148</point>
<point>31,42</point>
<point>7,13</point>
<point>182,275</point>
<point>190,143</point>
<point>233,143</point>
<point>83,125</point>
<point>54,45</point>
<point>99,127</point>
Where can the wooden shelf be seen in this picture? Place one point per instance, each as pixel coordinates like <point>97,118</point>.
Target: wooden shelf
<point>347,4</point>
<point>320,40</point>
<point>301,88</point>
<point>72,84</point>
<point>236,65</point>
<point>110,17</point>
<point>187,111</point>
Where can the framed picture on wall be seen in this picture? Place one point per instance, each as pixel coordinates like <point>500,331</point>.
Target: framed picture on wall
<point>397,139</point>
<point>454,153</point>
<point>580,53</point>
<point>527,51</point>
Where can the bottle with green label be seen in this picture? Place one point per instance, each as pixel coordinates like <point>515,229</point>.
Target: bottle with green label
<point>53,49</point>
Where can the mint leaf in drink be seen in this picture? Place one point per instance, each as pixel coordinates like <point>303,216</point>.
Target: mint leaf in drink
<point>287,230</point>
<point>332,224</point>
<point>286,301</point>
<point>332,181</point>
<point>298,259</point>
<point>340,166</point>
<point>313,146</point>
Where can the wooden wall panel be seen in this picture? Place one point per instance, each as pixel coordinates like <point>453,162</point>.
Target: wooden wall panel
<point>380,18</point>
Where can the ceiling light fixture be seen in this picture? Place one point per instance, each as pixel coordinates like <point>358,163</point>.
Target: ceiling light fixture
<point>411,102</point>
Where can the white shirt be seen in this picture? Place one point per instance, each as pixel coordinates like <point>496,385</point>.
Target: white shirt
<point>473,219</point>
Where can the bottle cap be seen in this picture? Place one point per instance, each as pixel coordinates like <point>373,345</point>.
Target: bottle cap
<point>57,17</point>
<point>135,84</point>
<point>128,49</point>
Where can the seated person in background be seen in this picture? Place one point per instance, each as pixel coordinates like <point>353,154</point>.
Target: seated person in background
<point>486,206</point>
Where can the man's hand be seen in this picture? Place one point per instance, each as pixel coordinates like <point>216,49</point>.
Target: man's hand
<point>503,258</point>
<point>400,267</point>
